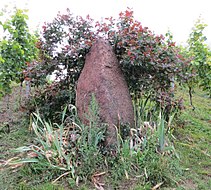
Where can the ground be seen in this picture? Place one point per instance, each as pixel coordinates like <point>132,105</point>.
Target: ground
<point>192,142</point>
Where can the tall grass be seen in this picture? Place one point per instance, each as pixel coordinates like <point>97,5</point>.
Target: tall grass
<point>78,151</point>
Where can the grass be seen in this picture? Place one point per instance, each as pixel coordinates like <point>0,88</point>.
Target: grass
<point>192,142</point>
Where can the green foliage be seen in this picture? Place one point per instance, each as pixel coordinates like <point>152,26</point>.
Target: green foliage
<point>17,49</point>
<point>200,53</point>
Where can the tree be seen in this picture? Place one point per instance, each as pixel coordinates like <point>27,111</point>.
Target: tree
<point>17,50</point>
<point>200,53</point>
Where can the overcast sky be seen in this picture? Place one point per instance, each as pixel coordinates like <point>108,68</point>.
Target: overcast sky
<point>178,16</point>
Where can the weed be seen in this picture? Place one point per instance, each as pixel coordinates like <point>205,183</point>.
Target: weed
<point>74,153</point>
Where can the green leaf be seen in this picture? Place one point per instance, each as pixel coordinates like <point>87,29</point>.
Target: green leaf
<point>23,161</point>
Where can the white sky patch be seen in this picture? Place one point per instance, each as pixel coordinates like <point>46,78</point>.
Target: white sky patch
<point>178,16</point>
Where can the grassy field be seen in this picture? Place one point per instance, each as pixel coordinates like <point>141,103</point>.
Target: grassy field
<point>192,142</point>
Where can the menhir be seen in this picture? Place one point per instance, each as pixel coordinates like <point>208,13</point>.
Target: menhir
<point>103,78</point>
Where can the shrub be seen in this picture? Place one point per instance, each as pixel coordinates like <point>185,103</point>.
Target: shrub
<point>51,99</point>
<point>150,63</point>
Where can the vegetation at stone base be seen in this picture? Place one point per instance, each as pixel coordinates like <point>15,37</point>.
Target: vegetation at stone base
<point>150,63</point>
<point>192,139</point>
<point>75,151</point>
<point>17,49</point>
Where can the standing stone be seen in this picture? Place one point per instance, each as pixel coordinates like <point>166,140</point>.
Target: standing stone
<point>102,76</point>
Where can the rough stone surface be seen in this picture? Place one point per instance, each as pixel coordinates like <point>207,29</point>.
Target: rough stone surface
<point>102,76</point>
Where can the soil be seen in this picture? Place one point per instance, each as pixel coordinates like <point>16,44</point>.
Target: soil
<point>11,109</point>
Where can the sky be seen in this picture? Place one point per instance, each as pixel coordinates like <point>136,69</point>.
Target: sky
<point>177,16</point>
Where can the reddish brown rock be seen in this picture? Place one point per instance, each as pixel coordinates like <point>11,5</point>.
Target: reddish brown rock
<point>102,76</point>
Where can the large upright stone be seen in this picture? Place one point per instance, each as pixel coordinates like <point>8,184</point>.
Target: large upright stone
<point>102,76</point>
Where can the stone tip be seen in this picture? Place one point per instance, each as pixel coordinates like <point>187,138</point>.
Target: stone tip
<point>101,40</point>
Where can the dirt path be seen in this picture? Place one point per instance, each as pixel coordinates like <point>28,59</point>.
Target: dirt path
<point>10,109</point>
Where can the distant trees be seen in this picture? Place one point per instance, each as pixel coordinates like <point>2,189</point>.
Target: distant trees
<point>200,53</point>
<point>17,49</point>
